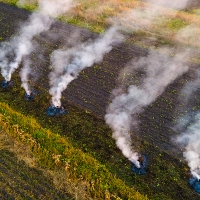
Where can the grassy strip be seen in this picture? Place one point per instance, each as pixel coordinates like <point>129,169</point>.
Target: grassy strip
<point>95,16</point>
<point>54,151</point>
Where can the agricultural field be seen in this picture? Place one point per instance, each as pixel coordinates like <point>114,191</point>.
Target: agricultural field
<point>86,100</point>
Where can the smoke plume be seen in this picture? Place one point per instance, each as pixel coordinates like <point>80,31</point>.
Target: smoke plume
<point>6,53</point>
<point>144,16</point>
<point>160,70</point>
<point>190,140</point>
<point>38,22</point>
<point>24,74</point>
<point>188,126</point>
<point>191,87</point>
<point>68,64</point>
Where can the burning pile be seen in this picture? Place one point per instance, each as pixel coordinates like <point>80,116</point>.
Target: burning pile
<point>7,84</point>
<point>143,163</point>
<point>195,183</point>
<point>31,96</point>
<point>55,110</point>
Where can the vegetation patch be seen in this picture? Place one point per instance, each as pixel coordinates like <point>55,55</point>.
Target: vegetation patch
<point>175,24</point>
<point>55,152</point>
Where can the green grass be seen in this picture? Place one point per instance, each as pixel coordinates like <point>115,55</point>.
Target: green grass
<point>53,151</point>
<point>175,24</point>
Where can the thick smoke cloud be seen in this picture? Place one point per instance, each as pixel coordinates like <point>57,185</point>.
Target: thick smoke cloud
<point>68,64</point>
<point>160,70</point>
<point>188,127</point>
<point>38,22</point>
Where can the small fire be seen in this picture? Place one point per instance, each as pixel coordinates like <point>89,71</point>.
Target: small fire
<point>31,95</point>
<point>55,110</point>
<point>7,84</point>
<point>143,163</point>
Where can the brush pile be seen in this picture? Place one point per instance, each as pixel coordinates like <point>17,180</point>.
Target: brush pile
<point>55,110</point>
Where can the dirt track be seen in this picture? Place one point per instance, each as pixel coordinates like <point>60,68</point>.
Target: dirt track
<point>91,90</point>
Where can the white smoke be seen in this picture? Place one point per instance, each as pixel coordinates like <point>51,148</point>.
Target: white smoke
<point>6,51</point>
<point>22,3</point>
<point>144,16</point>
<point>189,125</point>
<point>54,8</point>
<point>38,22</point>
<point>189,35</point>
<point>161,70</point>
<point>84,56</point>
<point>22,44</point>
<point>191,142</point>
<point>24,74</point>
<point>137,19</point>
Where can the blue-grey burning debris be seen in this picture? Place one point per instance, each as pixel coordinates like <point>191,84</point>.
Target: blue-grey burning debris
<point>31,95</point>
<point>143,164</point>
<point>55,110</point>
<point>195,183</point>
<point>7,84</point>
